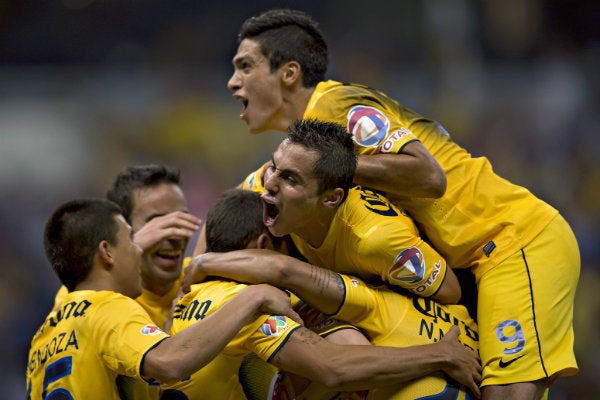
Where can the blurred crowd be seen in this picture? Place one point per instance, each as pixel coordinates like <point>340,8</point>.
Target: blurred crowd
<point>89,87</point>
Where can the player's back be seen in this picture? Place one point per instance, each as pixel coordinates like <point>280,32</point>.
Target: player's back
<point>391,319</point>
<point>83,346</point>
<point>219,379</point>
<point>481,219</point>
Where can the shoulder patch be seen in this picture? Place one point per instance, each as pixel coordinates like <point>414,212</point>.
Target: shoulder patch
<point>368,125</point>
<point>275,325</point>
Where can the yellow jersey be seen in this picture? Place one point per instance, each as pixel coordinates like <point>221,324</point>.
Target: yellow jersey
<point>371,238</point>
<point>391,319</point>
<point>481,219</point>
<point>82,347</point>
<point>262,337</point>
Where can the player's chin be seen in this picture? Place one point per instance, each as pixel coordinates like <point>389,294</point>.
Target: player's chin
<point>276,231</point>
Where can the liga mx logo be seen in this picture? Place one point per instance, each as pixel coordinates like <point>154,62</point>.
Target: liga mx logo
<point>368,125</point>
<point>274,325</point>
<point>409,266</point>
<point>151,330</point>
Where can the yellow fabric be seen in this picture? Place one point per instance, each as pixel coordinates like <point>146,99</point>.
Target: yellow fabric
<point>478,207</point>
<point>391,319</point>
<point>82,348</point>
<point>518,346</point>
<point>372,239</point>
<point>263,337</point>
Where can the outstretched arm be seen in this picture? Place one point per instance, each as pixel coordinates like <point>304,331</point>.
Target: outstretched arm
<point>346,367</point>
<point>321,288</point>
<point>191,349</point>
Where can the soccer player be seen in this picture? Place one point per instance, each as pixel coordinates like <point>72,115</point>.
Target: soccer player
<point>155,206</point>
<point>522,252</point>
<point>153,203</point>
<point>233,222</point>
<point>415,320</point>
<point>100,332</point>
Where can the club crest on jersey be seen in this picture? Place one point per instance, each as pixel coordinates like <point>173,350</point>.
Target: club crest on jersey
<point>275,325</point>
<point>408,267</point>
<point>368,125</point>
<point>151,330</point>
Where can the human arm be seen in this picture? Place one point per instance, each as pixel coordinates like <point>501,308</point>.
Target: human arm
<point>412,173</point>
<point>189,350</point>
<point>319,287</point>
<point>362,367</point>
<point>175,224</point>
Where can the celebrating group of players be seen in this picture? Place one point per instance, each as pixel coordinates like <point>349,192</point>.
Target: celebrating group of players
<point>365,211</point>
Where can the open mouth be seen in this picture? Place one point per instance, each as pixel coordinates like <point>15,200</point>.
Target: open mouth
<point>168,258</point>
<point>270,214</point>
<point>244,108</point>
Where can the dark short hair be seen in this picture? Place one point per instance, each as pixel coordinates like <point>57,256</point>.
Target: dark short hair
<point>336,164</point>
<point>289,35</point>
<point>73,233</point>
<point>234,220</point>
<point>137,177</point>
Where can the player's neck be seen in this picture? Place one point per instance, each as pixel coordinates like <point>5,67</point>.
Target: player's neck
<point>316,231</point>
<point>296,102</point>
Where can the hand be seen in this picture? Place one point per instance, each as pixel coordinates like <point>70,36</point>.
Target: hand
<point>176,224</point>
<point>274,301</point>
<point>192,274</point>
<point>465,365</point>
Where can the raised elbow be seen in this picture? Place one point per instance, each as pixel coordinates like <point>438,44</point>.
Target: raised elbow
<point>437,183</point>
<point>163,370</point>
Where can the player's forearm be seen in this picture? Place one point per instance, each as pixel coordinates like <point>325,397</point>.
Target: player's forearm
<point>356,367</point>
<point>365,367</point>
<point>249,266</point>
<point>321,288</point>
<point>450,291</point>
<point>413,173</point>
<point>191,349</point>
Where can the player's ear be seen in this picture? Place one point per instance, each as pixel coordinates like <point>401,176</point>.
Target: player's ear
<point>291,73</point>
<point>264,241</point>
<point>105,253</point>
<point>333,198</point>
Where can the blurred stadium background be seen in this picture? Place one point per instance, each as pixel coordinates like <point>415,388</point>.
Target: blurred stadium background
<point>88,87</point>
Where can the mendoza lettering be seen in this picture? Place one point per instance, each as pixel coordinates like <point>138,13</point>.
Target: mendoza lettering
<point>73,309</point>
<point>63,341</point>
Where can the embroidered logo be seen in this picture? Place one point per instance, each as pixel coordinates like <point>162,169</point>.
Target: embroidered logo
<point>504,364</point>
<point>274,325</point>
<point>368,125</point>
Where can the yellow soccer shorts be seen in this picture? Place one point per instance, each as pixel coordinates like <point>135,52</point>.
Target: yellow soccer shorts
<point>525,310</point>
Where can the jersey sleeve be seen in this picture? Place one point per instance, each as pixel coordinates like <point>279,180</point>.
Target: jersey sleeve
<point>391,248</point>
<point>267,334</point>
<point>254,181</point>
<point>409,262</point>
<point>376,122</point>
<point>124,333</point>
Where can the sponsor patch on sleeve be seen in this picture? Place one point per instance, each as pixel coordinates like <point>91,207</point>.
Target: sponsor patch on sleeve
<point>275,325</point>
<point>368,125</point>
<point>151,330</point>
